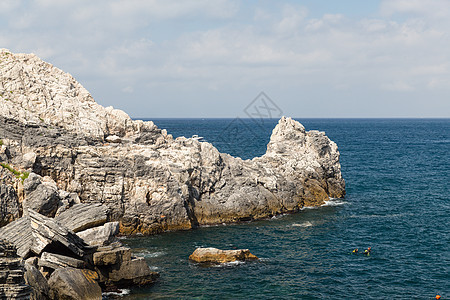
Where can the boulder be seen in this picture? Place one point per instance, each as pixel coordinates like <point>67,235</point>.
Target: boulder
<point>127,273</point>
<point>56,261</point>
<point>106,256</point>
<point>33,233</point>
<point>83,216</point>
<point>214,255</point>
<point>12,282</point>
<point>101,235</point>
<point>41,196</point>
<point>74,284</point>
<point>35,279</point>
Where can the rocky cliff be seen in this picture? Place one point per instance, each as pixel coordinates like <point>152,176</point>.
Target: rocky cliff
<point>50,125</point>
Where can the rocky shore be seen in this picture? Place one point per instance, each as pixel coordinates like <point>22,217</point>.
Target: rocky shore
<point>61,151</point>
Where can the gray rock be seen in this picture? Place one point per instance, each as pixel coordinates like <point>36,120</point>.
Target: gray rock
<point>106,256</point>
<point>127,273</point>
<point>83,216</point>
<point>35,279</point>
<point>100,236</point>
<point>9,201</point>
<point>74,284</point>
<point>34,232</point>
<point>12,282</point>
<point>40,196</point>
<point>56,261</point>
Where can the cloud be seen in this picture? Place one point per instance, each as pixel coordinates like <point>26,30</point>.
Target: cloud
<point>183,49</point>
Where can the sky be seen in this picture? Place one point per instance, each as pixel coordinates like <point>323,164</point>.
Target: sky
<point>211,58</point>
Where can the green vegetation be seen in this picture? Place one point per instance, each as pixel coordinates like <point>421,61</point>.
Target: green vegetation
<point>1,142</point>
<point>21,175</point>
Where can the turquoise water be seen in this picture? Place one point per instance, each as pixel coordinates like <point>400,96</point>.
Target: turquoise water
<point>397,174</point>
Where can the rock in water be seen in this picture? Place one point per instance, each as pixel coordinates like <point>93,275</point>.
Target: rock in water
<point>74,284</point>
<point>149,181</point>
<point>214,255</point>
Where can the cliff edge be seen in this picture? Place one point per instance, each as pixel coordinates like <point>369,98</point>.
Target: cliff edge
<point>50,125</point>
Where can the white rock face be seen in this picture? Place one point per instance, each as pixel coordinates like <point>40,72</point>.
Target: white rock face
<point>33,91</point>
<point>150,182</point>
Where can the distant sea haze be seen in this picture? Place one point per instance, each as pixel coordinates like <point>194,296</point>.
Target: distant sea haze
<point>397,173</point>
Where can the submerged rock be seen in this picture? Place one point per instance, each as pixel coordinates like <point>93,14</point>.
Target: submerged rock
<point>214,255</point>
<point>149,181</point>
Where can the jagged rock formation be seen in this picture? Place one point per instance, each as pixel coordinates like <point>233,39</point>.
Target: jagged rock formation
<point>50,125</point>
<point>12,282</point>
<point>60,264</point>
<point>10,208</point>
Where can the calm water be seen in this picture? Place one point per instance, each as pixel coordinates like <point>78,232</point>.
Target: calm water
<point>397,174</point>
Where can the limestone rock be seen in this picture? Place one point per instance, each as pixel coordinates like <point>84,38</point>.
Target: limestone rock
<point>101,235</point>
<point>127,273</point>
<point>35,279</point>
<point>34,232</point>
<point>83,216</point>
<point>106,256</point>
<point>113,139</point>
<point>214,255</point>
<point>74,284</point>
<point>9,201</point>
<point>56,261</point>
<point>41,196</point>
<point>12,282</point>
<point>149,181</point>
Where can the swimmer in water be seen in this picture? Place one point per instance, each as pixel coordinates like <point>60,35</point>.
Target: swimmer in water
<point>367,251</point>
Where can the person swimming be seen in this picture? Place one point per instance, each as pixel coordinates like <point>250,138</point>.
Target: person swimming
<point>367,251</point>
<point>355,251</point>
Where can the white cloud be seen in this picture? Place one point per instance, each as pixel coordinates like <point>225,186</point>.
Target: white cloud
<point>161,48</point>
<point>429,8</point>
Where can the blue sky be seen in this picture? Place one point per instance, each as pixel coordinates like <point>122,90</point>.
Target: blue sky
<point>210,58</point>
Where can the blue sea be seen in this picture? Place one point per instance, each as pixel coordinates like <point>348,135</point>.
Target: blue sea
<point>397,174</point>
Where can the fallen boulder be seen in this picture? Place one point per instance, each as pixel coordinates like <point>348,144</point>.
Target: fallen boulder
<point>56,261</point>
<point>37,281</point>
<point>110,256</point>
<point>214,255</point>
<point>127,273</point>
<point>101,235</point>
<point>74,284</point>
<point>83,216</point>
<point>34,233</point>
<point>41,196</point>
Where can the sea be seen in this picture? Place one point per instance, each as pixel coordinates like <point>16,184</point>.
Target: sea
<point>397,174</point>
